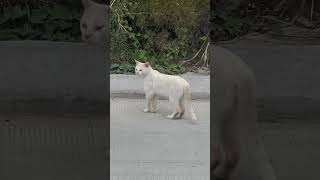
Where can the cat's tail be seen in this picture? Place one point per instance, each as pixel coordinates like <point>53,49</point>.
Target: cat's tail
<point>186,101</point>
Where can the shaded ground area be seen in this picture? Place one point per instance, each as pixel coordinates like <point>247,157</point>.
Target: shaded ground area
<point>149,146</point>
<point>52,147</point>
<point>288,101</point>
<point>281,68</point>
<point>293,149</point>
<point>286,73</point>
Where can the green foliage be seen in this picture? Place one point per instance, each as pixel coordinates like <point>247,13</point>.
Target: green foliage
<point>122,68</point>
<point>161,32</point>
<point>49,22</point>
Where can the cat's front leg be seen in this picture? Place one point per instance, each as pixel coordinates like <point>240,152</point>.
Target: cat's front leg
<point>148,103</point>
<point>153,104</point>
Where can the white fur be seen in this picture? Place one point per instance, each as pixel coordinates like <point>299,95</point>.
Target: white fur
<point>174,87</point>
<point>94,24</point>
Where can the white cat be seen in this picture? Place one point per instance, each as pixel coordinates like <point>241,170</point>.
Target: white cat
<point>95,22</point>
<point>174,87</point>
<point>234,121</point>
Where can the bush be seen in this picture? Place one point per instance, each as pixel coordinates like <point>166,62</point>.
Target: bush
<point>162,32</point>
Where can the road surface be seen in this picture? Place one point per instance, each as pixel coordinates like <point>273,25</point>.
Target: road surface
<point>73,146</point>
<point>147,146</point>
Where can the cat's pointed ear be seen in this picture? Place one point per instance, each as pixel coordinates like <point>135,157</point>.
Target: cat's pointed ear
<point>137,62</point>
<point>87,3</point>
<point>147,64</point>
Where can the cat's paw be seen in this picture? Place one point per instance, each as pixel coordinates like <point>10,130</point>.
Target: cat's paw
<point>153,110</point>
<point>146,110</point>
<point>171,116</point>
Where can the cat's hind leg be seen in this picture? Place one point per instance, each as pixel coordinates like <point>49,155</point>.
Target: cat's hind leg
<point>181,109</point>
<point>177,109</point>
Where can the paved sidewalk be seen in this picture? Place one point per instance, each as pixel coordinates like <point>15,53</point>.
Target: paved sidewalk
<point>132,86</point>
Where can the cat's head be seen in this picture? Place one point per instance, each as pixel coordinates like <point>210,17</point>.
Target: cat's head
<point>142,69</point>
<point>94,22</point>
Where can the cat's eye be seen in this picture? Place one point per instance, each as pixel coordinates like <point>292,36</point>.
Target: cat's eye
<point>99,27</point>
<point>140,70</point>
